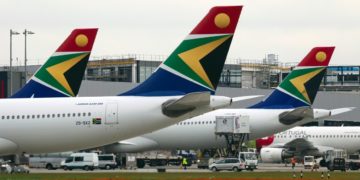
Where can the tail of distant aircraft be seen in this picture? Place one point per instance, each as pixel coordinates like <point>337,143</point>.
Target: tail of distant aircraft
<point>197,63</point>
<point>300,87</point>
<point>62,74</point>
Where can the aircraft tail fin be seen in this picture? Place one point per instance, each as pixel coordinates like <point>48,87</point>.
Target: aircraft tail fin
<point>300,87</point>
<point>197,63</point>
<point>62,73</point>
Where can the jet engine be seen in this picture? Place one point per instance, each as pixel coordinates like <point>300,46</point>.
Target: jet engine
<point>274,155</point>
<point>7,147</point>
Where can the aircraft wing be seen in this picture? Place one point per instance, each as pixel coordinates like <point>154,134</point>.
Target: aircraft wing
<point>300,145</point>
<point>277,145</point>
<point>187,103</point>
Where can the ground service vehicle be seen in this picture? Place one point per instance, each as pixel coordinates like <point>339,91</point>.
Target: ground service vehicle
<point>86,161</point>
<point>203,163</point>
<point>158,160</point>
<point>21,169</point>
<point>353,162</point>
<point>337,164</point>
<point>309,162</point>
<point>107,161</point>
<point>335,160</point>
<point>249,159</point>
<point>5,167</point>
<point>49,161</point>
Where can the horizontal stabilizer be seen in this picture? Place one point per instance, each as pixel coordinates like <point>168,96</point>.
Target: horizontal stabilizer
<point>341,110</point>
<point>187,103</point>
<point>242,98</point>
<point>291,117</point>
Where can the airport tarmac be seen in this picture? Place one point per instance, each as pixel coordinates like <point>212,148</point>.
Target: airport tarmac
<point>261,168</point>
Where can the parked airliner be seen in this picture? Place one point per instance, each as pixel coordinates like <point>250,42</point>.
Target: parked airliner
<point>311,141</point>
<point>287,106</point>
<point>179,89</point>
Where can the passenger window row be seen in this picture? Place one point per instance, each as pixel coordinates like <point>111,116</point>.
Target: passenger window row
<point>38,116</point>
<point>321,136</point>
<point>195,123</point>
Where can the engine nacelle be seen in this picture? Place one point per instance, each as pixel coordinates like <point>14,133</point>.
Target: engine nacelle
<point>7,147</point>
<point>274,155</point>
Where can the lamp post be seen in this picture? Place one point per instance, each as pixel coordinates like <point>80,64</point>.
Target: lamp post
<point>26,32</point>
<point>12,32</point>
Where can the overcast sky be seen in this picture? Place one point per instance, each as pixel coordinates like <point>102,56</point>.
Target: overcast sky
<point>289,28</point>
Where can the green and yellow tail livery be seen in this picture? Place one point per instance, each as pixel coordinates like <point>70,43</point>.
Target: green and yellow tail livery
<point>62,74</point>
<point>300,87</point>
<point>197,63</point>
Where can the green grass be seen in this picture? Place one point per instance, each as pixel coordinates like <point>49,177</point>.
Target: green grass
<point>177,176</point>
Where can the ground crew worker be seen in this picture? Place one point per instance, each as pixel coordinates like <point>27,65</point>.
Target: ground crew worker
<point>293,162</point>
<point>184,162</point>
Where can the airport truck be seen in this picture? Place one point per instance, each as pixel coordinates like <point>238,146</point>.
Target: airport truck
<point>353,162</point>
<point>339,158</point>
<point>49,161</point>
<point>249,159</point>
<point>308,162</point>
<point>335,160</point>
<point>158,159</point>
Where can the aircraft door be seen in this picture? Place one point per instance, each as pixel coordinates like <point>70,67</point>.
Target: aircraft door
<point>111,113</point>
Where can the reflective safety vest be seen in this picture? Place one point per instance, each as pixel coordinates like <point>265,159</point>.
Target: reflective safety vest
<point>184,161</point>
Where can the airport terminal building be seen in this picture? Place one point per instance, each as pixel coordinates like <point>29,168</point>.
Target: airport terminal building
<point>263,74</point>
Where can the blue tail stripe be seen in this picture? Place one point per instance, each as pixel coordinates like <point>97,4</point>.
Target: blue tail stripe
<point>164,83</point>
<point>36,90</point>
<point>279,100</point>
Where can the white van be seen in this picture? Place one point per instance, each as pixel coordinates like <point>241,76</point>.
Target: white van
<point>86,161</point>
<point>107,161</point>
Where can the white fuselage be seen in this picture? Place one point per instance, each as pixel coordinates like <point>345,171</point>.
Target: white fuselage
<point>345,138</point>
<point>199,132</point>
<point>62,124</point>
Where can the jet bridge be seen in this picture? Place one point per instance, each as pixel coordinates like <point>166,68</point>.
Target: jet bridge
<point>235,128</point>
